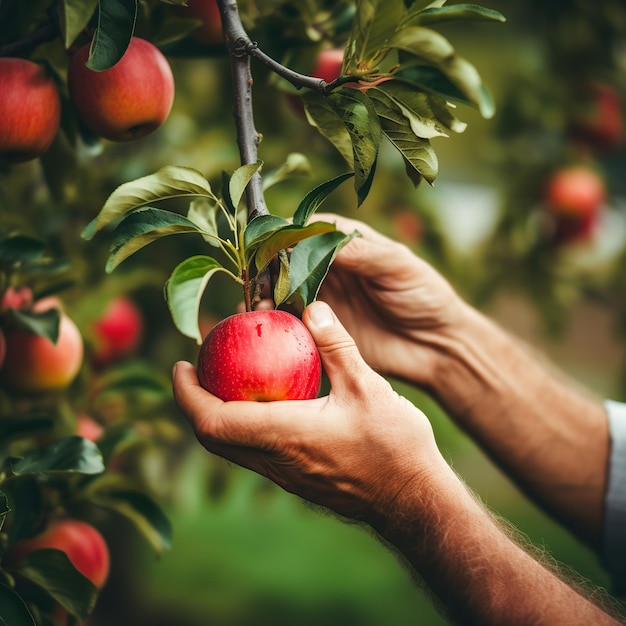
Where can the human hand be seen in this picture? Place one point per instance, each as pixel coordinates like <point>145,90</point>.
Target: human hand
<point>397,307</point>
<point>353,451</point>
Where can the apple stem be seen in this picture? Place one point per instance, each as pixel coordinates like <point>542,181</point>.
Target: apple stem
<point>246,289</point>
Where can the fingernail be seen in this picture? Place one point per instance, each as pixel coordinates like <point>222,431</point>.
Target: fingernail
<point>174,370</point>
<point>321,315</point>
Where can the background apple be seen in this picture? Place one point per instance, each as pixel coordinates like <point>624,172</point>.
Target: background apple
<point>16,298</point>
<point>210,31</point>
<point>262,356</point>
<point>30,110</point>
<point>118,331</point>
<point>574,197</point>
<point>129,100</point>
<point>33,364</point>
<point>84,545</point>
<point>87,427</point>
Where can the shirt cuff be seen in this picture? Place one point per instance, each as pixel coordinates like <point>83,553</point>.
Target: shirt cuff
<point>614,549</point>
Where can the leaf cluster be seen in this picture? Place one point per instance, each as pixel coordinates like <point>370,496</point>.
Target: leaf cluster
<point>247,247</point>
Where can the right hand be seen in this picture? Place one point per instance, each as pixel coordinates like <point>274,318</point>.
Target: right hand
<point>396,306</point>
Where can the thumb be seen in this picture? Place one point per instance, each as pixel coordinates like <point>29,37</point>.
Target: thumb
<point>340,356</point>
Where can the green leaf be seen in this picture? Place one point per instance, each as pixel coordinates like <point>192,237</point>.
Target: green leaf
<point>116,25</point>
<point>281,288</point>
<point>203,213</point>
<point>146,515</point>
<point>314,199</point>
<point>13,610</point>
<point>434,49</point>
<point>374,24</point>
<point>52,570</point>
<point>172,181</point>
<point>43,323</point>
<point>184,289</point>
<point>417,152</point>
<point>428,114</point>
<point>358,114</point>
<point>321,115</point>
<point>75,15</point>
<point>309,264</point>
<point>284,238</point>
<point>458,12</point>
<point>260,228</point>
<point>68,455</point>
<point>142,227</point>
<point>20,248</point>
<point>296,165</point>
<point>240,179</point>
<point>5,509</point>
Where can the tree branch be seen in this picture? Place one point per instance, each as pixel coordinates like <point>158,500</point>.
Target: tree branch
<point>46,32</point>
<point>248,138</point>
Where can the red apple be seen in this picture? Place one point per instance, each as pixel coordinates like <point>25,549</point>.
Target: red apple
<point>118,331</point>
<point>30,110</point>
<point>598,119</point>
<point>129,100</point>
<point>262,356</point>
<point>574,197</point>
<point>87,427</point>
<point>210,31</point>
<point>84,545</point>
<point>33,364</point>
<point>16,298</point>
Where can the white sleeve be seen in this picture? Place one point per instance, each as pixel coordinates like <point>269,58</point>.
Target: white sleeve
<point>614,546</point>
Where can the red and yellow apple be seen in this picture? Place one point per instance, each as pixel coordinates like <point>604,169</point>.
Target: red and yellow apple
<point>129,100</point>
<point>574,197</point>
<point>33,364</point>
<point>82,543</point>
<point>210,31</point>
<point>30,110</point>
<point>260,356</point>
<point>118,331</point>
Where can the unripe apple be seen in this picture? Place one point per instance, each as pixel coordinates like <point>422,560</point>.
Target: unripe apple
<point>33,364</point>
<point>261,356</point>
<point>30,110</point>
<point>84,545</point>
<point>118,331</point>
<point>574,197</point>
<point>210,31</point>
<point>129,100</point>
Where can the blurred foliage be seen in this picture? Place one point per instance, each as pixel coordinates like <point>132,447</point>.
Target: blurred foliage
<point>244,552</point>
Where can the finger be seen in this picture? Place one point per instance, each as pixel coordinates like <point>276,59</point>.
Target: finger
<point>346,369</point>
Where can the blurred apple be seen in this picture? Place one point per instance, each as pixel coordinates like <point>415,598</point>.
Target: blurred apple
<point>118,331</point>
<point>33,364</point>
<point>574,197</point>
<point>30,110</point>
<point>207,11</point>
<point>16,298</point>
<point>129,100</point>
<point>87,427</point>
<point>260,356</point>
<point>82,543</point>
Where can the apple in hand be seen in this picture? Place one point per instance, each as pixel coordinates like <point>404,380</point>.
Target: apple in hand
<point>260,356</point>
<point>118,331</point>
<point>82,543</point>
<point>574,198</point>
<point>127,101</point>
<point>30,110</point>
<point>33,364</point>
<point>210,31</point>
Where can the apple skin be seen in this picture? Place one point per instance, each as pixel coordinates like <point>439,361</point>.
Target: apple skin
<point>260,356</point>
<point>33,364</point>
<point>88,428</point>
<point>128,101</point>
<point>30,110</point>
<point>118,331</point>
<point>210,31</point>
<point>574,197</point>
<point>16,298</point>
<point>84,545</point>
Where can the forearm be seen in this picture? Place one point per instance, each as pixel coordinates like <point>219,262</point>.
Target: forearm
<point>474,568</point>
<point>550,436</point>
